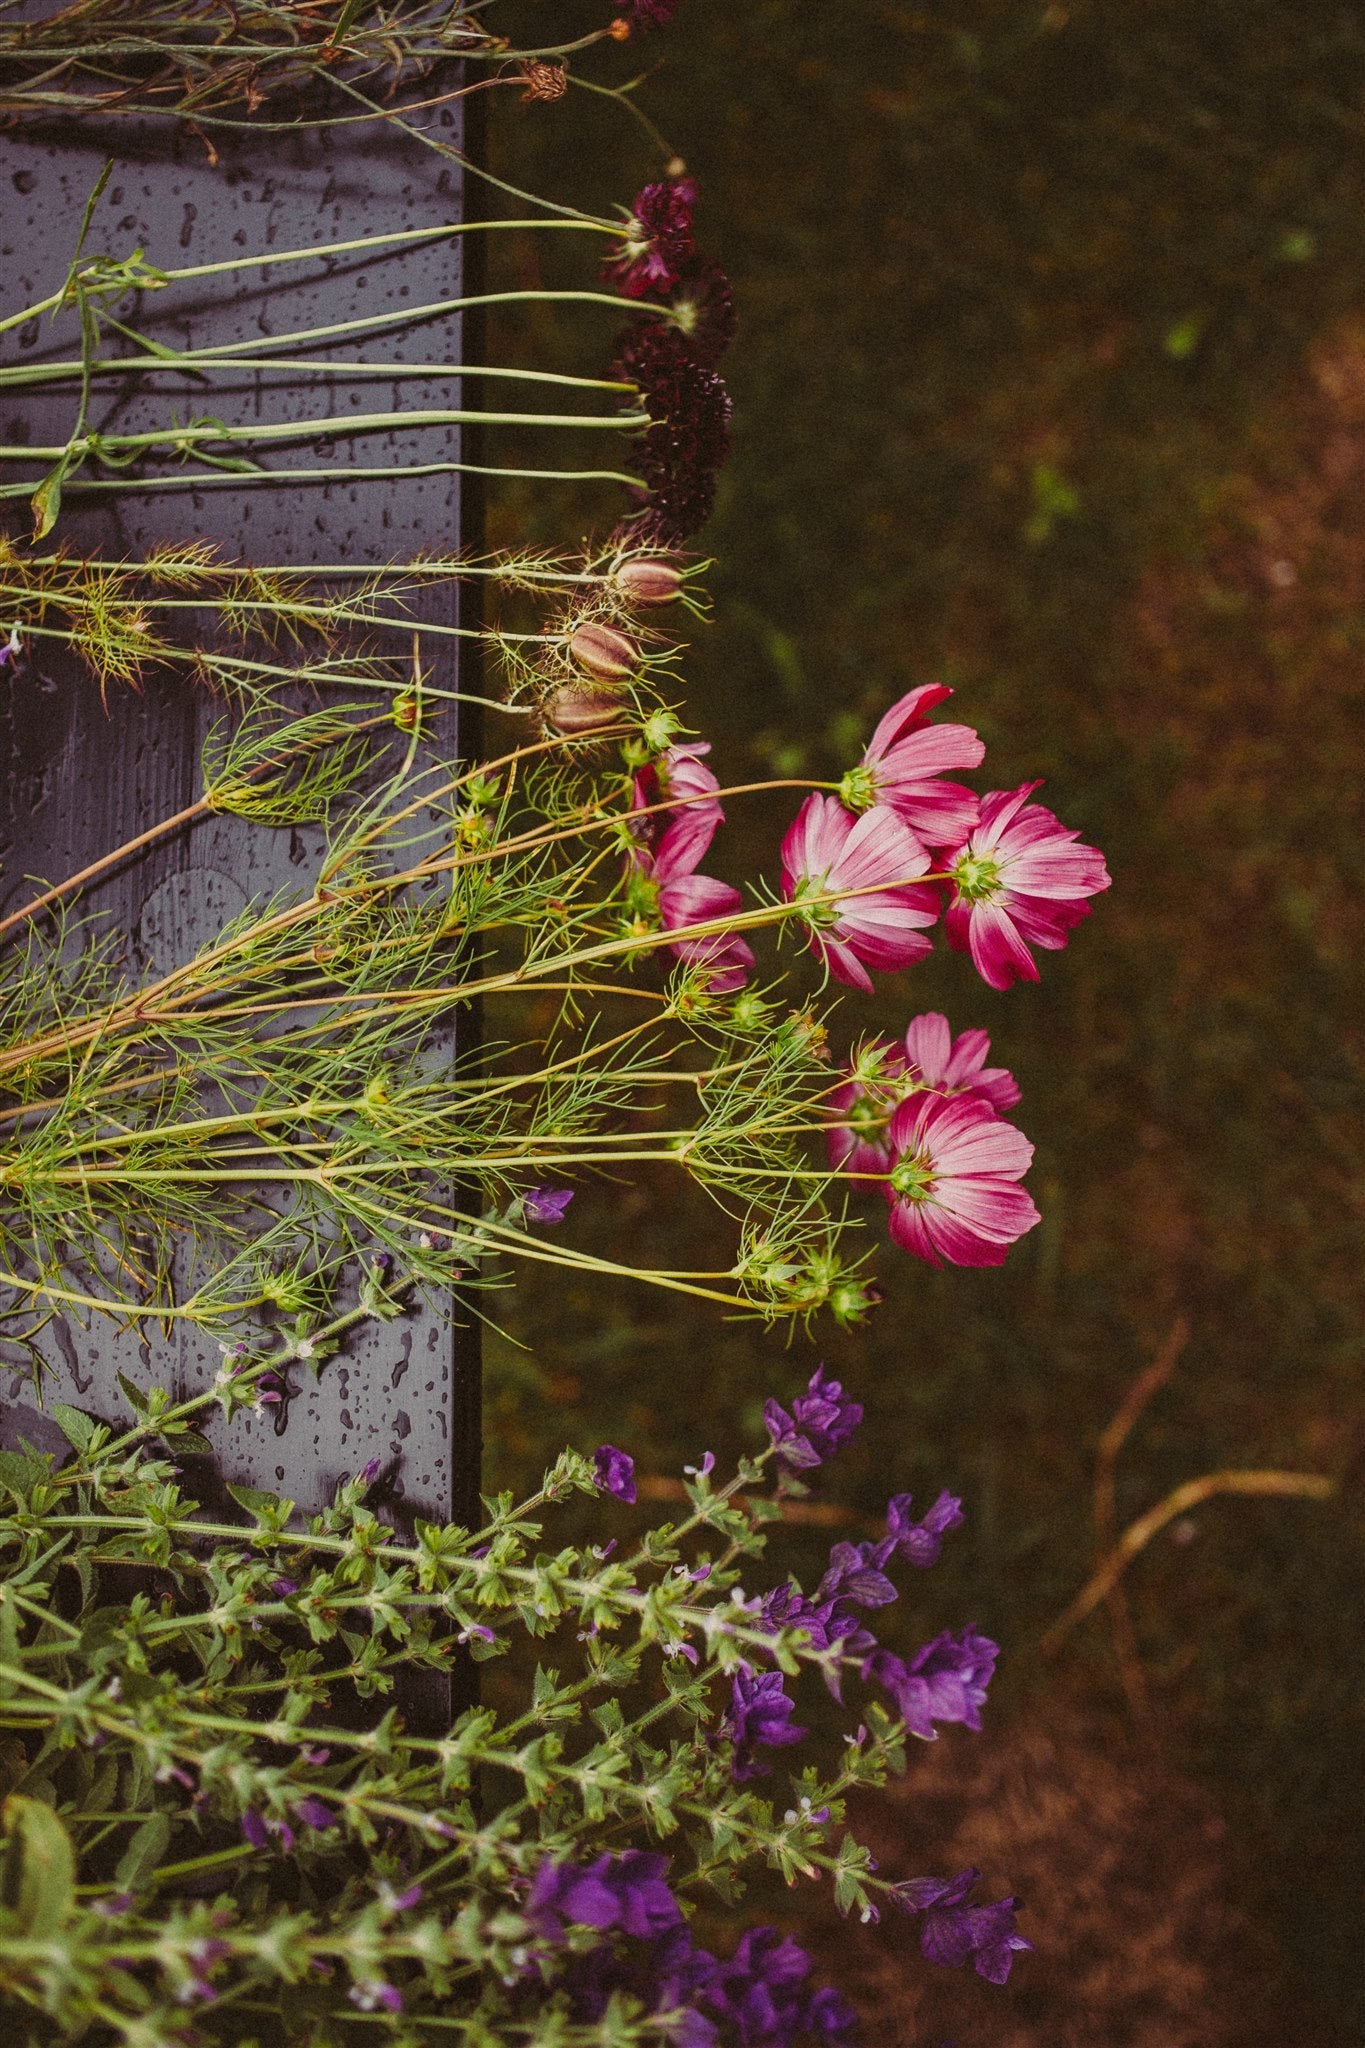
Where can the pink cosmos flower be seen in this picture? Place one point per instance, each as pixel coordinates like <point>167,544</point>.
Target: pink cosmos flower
<point>956,1065</point>
<point>679,776</point>
<point>664,887</point>
<point>880,922</point>
<point>1020,879</point>
<point>952,1191</point>
<point>862,1107</point>
<point>902,764</point>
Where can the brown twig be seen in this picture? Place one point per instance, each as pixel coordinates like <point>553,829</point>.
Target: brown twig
<point>1144,1387</point>
<point>1285,1485</point>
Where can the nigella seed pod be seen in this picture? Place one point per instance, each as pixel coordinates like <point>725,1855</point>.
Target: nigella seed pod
<point>604,653</point>
<point>576,708</point>
<point>648,579</point>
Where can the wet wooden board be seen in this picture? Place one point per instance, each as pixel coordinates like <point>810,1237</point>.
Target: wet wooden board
<point>77,778</point>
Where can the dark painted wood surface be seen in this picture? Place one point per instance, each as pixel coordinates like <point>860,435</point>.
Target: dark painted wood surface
<point>77,778</point>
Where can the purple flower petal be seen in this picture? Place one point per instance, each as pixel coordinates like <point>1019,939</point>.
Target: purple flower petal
<point>614,1470</point>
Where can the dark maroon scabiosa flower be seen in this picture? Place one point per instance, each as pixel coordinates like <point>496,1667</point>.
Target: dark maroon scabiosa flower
<point>614,1471</point>
<point>944,1681</point>
<point>703,305</point>
<point>821,1421</point>
<point>760,1717</point>
<point>688,437</point>
<point>920,1542</point>
<point>657,242</point>
<point>954,1930</point>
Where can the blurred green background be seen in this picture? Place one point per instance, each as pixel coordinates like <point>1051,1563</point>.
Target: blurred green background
<point>1050,383</point>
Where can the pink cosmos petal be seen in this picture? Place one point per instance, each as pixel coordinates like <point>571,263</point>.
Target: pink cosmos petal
<point>680,776</point>
<point>929,1045</point>
<point>964,1136</point>
<point>906,715</point>
<point>998,953</point>
<point>700,899</point>
<point>997,1209</point>
<point>695,899</point>
<point>857,1138</point>
<point>999,810</point>
<point>842,962</point>
<point>903,761</point>
<point>1022,879</point>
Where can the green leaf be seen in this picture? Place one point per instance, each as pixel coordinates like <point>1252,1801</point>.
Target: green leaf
<point>145,1853</point>
<point>37,1867</point>
<point>266,1508</point>
<point>77,1427</point>
<point>21,1471</point>
<point>133,1394</point>
<point>46,501</point>
<point>191,1442</point>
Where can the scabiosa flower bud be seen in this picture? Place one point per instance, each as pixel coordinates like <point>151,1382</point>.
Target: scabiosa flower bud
<point>605,654</point>
<point>614,1471</point>
<point>657,240</point>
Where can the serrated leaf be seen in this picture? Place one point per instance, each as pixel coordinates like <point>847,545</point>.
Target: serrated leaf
<point>37,1867</point>
<point>77,1427</point>
<point>263,1506</point>
<point>23,1470</point>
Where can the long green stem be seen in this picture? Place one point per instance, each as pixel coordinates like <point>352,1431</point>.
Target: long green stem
<point>185,439</point>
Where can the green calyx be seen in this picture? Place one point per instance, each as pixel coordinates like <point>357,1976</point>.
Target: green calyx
<point>977,877</point>
<point>858,790</point>
<point>913,1179</point>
